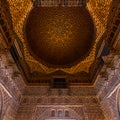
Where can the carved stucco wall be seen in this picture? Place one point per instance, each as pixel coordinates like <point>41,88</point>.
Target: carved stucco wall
<point>80,102</point>
<point>11,84</point>
<point>108,85</point>
<point>10,95</point>
<point>110,107</point>
<point>6,110</point>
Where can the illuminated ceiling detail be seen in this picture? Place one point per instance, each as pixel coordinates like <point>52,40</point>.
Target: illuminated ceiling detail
<point>60,36</point>
<point>99,9</point>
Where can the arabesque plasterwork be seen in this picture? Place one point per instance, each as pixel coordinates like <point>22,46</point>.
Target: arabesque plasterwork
<point>98,9</point>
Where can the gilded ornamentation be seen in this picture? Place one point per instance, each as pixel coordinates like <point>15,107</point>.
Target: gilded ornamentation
<point>63,36</point>
<point>59,30</point>
<point>99,10</point>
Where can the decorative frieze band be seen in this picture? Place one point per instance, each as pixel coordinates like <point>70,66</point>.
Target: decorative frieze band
<point>58,100</point>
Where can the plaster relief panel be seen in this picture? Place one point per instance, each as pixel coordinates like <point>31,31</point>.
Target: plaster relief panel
<point>52,112</point>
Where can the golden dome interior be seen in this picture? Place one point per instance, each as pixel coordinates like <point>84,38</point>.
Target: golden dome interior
<point>59,36</point>
<point>19,11</point>
<point>98,9</point>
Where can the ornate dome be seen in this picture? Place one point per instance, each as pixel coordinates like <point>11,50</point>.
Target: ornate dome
<point>59,36</point>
